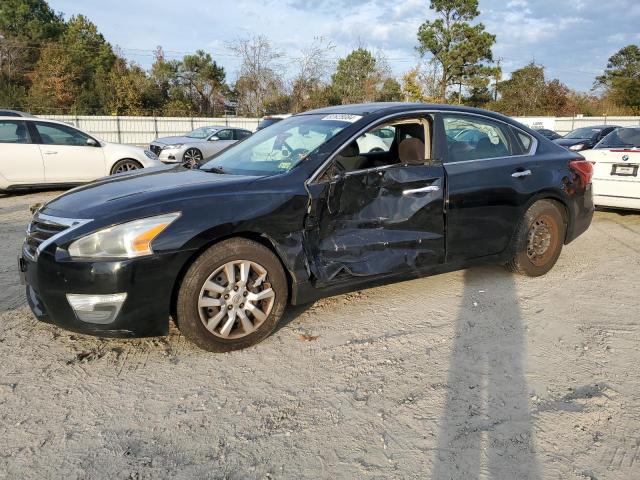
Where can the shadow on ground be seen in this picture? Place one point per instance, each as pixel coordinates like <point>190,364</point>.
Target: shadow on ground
<point>486,426</point>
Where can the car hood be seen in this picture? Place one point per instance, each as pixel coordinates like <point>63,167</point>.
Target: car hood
<point>144,192</point>
<point>176,140</point>
<point>567,142</point>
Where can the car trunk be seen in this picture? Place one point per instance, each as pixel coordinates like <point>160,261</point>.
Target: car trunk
<point>616,172</point>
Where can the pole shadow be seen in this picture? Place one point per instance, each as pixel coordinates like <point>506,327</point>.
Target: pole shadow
<point>486,426</point>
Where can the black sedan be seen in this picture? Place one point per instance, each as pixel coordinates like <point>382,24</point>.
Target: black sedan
<point>299,211</point>
<point>585,138</point>
<point>550,134</point>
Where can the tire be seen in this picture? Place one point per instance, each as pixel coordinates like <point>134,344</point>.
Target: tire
<point>539,239</point>
<point>125,165</point>
<point>198,303</point>
<point>191,158</point>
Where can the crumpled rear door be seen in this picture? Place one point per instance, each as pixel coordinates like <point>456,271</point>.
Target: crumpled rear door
<point>376,222</point>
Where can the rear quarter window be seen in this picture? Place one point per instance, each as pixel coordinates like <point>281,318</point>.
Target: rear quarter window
<point>525,141</point>
<point>13,132</point>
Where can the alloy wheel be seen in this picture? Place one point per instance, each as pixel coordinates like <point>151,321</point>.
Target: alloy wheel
<point>236,299</point>
<point>127,166</point>
<point>191,158</point>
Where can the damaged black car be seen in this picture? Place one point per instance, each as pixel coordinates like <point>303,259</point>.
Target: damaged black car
<point>316,205</point>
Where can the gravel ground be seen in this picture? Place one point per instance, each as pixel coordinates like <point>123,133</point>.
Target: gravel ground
<point>474,374</point>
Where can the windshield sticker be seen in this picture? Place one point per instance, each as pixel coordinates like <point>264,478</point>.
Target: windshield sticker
<point>284,165</point>
<point>343,117</point>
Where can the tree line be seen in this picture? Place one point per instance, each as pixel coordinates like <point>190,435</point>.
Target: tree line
<point>52,65</point>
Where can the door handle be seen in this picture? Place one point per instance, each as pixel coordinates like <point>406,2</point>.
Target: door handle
<point>430,188</point>
<point>525,173</point>
<point>50,152</point>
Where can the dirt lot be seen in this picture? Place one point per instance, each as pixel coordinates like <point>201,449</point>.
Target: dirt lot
<point>475,374</point>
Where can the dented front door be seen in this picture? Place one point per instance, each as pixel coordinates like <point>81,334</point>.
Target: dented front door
<point>375,222</point>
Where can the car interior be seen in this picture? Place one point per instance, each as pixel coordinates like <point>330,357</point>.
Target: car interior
<point>13,132</point>
<point>411,144</point>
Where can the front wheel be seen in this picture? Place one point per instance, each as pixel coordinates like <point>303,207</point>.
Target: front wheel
<point>232,296</point>
<point>539,240</point>
<point>125,165</point>
<point>192,158</point>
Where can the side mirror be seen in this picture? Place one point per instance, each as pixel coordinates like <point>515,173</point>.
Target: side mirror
<point>214,139</point>
<point>92,142</point>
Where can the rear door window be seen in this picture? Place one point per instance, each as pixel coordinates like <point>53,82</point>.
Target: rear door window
<point>13,131</point>
<point>471,137</point>
<point>241,134</point>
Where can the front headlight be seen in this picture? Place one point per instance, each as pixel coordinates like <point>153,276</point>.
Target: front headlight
<point>577,148</point>
<point>169,147</point>
<point>127,240</point>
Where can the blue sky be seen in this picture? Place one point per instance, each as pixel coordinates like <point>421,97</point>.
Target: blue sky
<point>571,38</point>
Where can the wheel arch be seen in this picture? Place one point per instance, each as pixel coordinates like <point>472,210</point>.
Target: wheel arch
<point>558,200</point>
<point>262,239</point>
<point>115,162</point>
<point>550,195</point>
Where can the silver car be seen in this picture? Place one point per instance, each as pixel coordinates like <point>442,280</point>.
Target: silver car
<point>195,147</point>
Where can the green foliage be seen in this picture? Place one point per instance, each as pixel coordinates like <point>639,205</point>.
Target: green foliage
<point>391,91</point>
<point>354,77</point>
<point>528,92</point>
<point>458,47</point>
<point>30,20</point>
<point>621,79</point>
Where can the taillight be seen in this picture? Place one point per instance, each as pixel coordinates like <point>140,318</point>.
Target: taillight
<point>583,169</point>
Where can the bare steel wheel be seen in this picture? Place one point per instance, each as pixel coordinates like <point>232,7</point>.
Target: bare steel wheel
<point>191,158</point>
<point>236,299</point>
<point>539,239</point>
<point>232,296</point>
<point>125,165</point>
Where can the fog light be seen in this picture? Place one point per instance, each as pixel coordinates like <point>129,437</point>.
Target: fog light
<point>100,309</point>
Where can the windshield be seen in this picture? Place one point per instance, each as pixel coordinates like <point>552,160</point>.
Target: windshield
<point>621,138</point>
<point>280,147</point>
<point>202,132</point>
<point>586,132</point>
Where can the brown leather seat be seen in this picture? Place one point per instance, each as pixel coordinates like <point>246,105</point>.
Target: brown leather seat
<point>411,151</point>
<point>350,159</point>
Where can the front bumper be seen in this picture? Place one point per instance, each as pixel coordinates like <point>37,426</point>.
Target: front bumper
<point>173,155</point>
<point>148,283</point>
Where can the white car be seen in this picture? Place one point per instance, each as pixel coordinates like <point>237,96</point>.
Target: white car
<point>195,147</point>
<point>616,179</point>
<point>38,152</point>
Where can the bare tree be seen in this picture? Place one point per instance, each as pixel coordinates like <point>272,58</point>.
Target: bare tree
<point>260,77</point>
<point>309,88</point>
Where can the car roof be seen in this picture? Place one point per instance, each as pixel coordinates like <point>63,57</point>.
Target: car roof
<point>6,112</point>
<point>602,127</point>
<point>382,108</point>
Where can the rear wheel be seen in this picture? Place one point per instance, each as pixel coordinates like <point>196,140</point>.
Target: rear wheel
<point>125,165</point>
<point>539,240</point>
<point>232,296</point>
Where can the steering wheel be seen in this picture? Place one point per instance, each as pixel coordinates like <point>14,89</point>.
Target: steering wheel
<point>299,153</point>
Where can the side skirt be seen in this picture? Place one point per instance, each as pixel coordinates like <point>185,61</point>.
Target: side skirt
<point>306,292</point>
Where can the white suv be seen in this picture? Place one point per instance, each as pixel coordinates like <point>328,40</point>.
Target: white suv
<point>38,152</point>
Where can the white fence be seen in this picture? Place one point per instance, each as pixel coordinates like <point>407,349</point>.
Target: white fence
<point>142,130</point>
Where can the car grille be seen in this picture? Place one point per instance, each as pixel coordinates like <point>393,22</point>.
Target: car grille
<point>45,228</point>
<point>155,149</point>
<point>38,232</point>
